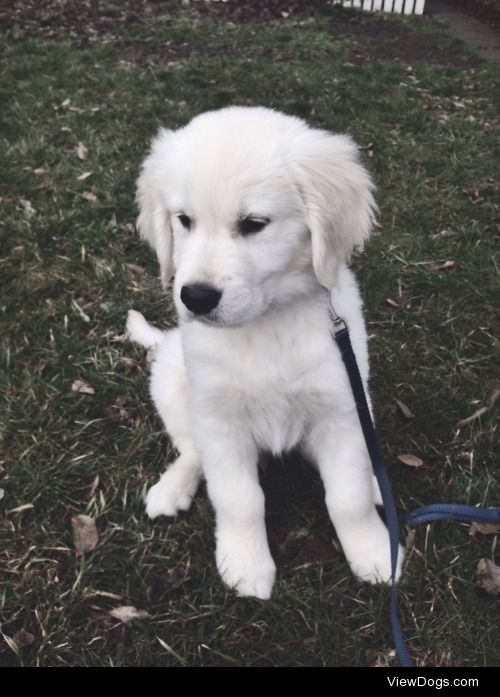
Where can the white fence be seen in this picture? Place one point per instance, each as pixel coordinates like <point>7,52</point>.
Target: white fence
<point>406,7</point>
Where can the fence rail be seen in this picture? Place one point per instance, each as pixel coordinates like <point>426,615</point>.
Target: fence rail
<point>405,7</point>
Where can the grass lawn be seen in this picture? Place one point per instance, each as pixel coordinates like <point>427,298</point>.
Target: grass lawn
<point>78,110</point>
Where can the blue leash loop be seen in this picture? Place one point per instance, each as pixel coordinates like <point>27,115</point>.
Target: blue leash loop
<point>422,515</point>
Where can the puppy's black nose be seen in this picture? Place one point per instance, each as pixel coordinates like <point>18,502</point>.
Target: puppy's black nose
<point>200,298</point>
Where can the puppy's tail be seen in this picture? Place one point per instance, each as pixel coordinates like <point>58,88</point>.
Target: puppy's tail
<point>141,332</point>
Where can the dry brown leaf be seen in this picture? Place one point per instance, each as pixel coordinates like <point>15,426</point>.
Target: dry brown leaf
<point>168,581</point>
<point>85,535</point>
<point>400,302</point>
<point>127,613</point>
<point>472,417</point>
<point>488,576</point>
<point>406,411</point>
<point>82,151</point>
<point>89,196</point>
<point>484,528</point>
<point>490,404</point>
<point>444,266</point>
<point>410,460</point>
<point>23,638</point>
<point>139,270</point>
<point>392,303</point>
<point>84,176</point>
<point>29,211</point>
<point>2,493</point>
<point>82,387</point>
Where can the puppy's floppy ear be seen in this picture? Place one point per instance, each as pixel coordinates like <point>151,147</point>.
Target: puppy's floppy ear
<point>337,194</point>
<point>153,221</point>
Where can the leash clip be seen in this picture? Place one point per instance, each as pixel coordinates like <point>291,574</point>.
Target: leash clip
<point>338,324</point>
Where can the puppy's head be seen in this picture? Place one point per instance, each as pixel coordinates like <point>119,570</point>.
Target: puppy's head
<point>251,209</point>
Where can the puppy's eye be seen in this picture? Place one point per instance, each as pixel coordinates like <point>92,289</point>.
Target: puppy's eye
<point>251,225</point>
<point>185,221</point>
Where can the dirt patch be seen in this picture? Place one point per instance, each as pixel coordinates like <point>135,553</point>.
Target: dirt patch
<point>486,11</point>
<point>384,38</point>
<point>86,19</point>
<point>378,37</point>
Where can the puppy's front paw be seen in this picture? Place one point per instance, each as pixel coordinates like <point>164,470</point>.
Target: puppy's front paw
<point>135,325</point>
<point>246,565</point>
<point>367,548</point>
<point>172,493</point>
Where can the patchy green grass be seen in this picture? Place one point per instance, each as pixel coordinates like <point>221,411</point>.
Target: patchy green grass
<point>430,136</point>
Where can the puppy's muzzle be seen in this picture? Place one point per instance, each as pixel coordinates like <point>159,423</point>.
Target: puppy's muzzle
<point>200,298</point>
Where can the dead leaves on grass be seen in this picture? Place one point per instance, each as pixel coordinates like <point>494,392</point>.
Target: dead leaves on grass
<point>446,265</point>
<point>488,576</point>
<point>406,411</point>
<point>18,641</point>
<point>82,151</point>
<point>410,460</point>
<point>135,269</point>
<point>117,411</point>
<point>164,583</point>
<point>490,404</point>
<point>484,529</point>
<point>400,302</point>
<point>82,387</point>
<point>90,197</point>
<point>127,613</point>
<point>27,207</point>
<point>85,536</point>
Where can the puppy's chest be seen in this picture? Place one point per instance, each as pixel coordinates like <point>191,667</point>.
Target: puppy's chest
<point>277,390</point>
<point>280,417</point>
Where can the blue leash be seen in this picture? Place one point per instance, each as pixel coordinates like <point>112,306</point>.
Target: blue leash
<point>422,515</point>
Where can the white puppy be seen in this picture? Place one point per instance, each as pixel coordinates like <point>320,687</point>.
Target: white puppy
<point>255,215</point>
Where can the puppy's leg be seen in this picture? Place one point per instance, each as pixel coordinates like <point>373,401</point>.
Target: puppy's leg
<point>141,332</point>
<point>176,488</point>
<point>338,447</point>
<point>230,467</point>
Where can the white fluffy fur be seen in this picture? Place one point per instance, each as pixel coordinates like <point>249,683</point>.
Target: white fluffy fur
<point>260,372</point>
